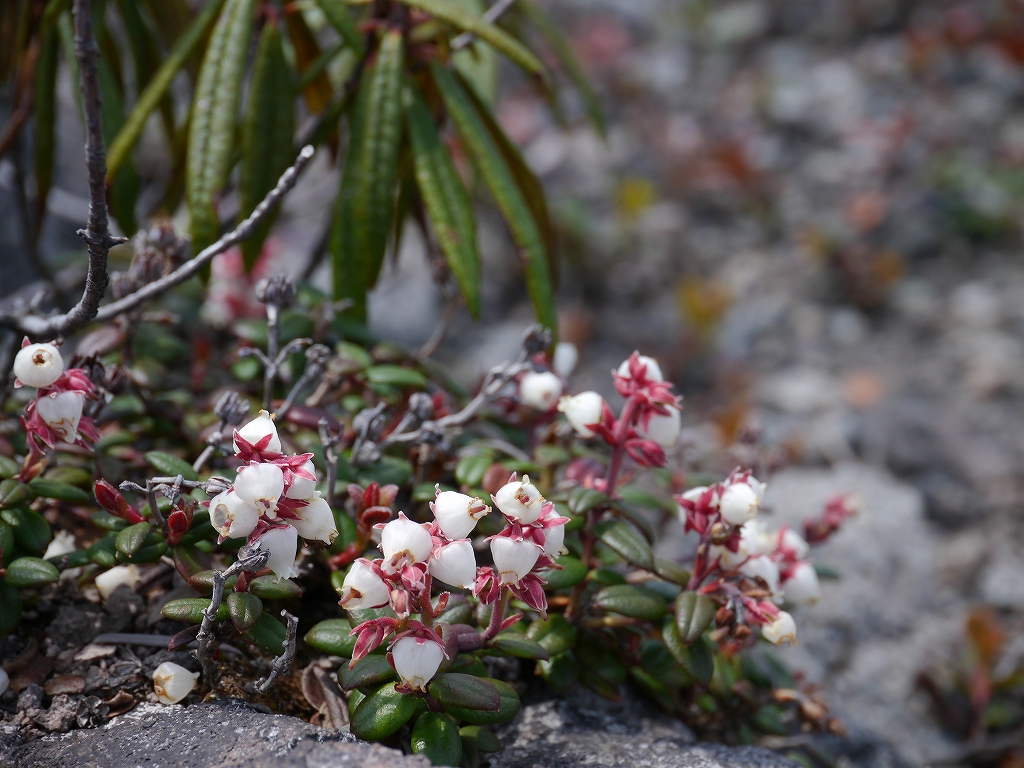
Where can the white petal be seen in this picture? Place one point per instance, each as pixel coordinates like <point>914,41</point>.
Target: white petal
<point>62,411</point>
<point>172,682</point>
<point>781,631</point>
<point>457,514</point>
<point>231,516</point>
<point>662,429</point>
<point>316,521</point>
<point>260,485</point>
<point>520,501</point>
<point>282,543</point>
<point>582,410</point>
<point>653,369</point>
<point>363,588</point>
<point>416,660</point>
<point>259,428</point>
<point>564,359</point>
<point>739,504</point>
<point>454,564</point>
<point>404,537</point>
<point>301,487</point>
<point>540,390</point>
<point>38,365</point>
<point>802,587</point>
<point>513,559</point>
<point>554,538</point>
<point>110,580</point>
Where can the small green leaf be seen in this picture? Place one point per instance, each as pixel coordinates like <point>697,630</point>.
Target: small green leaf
<point>697,658</point>
<point>466,691</point>
<point>556,635</point>
<point>582,500</point>
<point>30,572</point>
<point>514,644</point>
<point>625,540</point>
<point>338,16</point>
<point>12,493</point>
<point>436,735</point>
<point>671,571</point>
<point>107,521</point>
<point>561,671</point>
<point>628,512</point>
<point>694,613</point>
<point>75,559</point>
<point>8,467</point>
<point>633,601</point>
<point>267,633</point>
<point>572,573</point>
<point>396,376</point>
<point>481,737</point>
<point>369,670</point>
<point>382,713</point>
<point>171,466</point>
<point>332,636</point>
<point>244,609</point>
<point>31,530</point>
<point>190,560</point>
<point>271,587</point>
<point>190,610</point>
<point>130,540</point>
<point>10,608</point>
<point>103,552</point>
<point>51,489</point>
<point>507,709</point>
<point>6,542</point>
<point>70,475</point>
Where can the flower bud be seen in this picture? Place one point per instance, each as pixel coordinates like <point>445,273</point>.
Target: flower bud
<point>363,587</point>
<point>261,485</point>
<point>172,682</point>
<point>38,365</point>
<point>564,358</point>
<point>739,504</point>
<point>61,412</point>
<point>282,543</point>
<point>781,630</point>
<point>755,538</point>
<point>662,429</point>
<point>416,660</point>
<point>794,542</point>
<point>316,521</point>
<point>653,369</point>
<point>554,540</point>
<point>520,500</point>
<point>802,587</point>
<point>259,428</point>
<point>62,544</point>
<point>232,517</point>
<point>454,564</point>
<point>513,559</point>
<point>457,514</point>
<point>766,569</point>
<point>302,487</point>
<point>582,411</point>
<point>540,390</point>
<point>108,581</point>
<point>404,540</point>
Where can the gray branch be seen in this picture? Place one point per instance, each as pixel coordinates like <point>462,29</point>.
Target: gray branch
<point>283,662</point>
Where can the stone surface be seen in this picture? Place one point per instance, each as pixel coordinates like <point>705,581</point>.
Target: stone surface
<point>582,729</point>
<point>225,734</point>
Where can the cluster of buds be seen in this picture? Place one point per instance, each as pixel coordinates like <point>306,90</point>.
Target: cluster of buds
<point>273,500</point>
<point>749,570</point>
<point>414,554</point>
<point>540,389</point>
<point>56,414</point>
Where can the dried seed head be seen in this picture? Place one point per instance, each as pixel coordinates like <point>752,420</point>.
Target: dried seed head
<point>278,290</point>
<point>232,408</point>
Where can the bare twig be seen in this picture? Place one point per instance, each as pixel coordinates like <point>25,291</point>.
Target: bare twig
<point>492,14</point>
<point>328,441</point>
<point>49,327</point>
<point>283,662</point>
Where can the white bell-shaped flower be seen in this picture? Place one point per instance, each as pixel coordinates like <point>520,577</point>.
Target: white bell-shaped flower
<point>38,365</point>
<point>663,429</point>
<point>755,538</point>
<point>794,542</point>
<point>781,631</point>
<point>404,540</point>
<point>582,410</point>
<point>520,500</point>
<point>802,587</point>
<point>540,390</point>
<point>302,487</point>
<point>364,588</point>
<point>416,660</point>
<point>172,682</point>
<point>739,503</point>
<point>653,369</point>
<point>554,540</point>
<point>564,358</point>
<point>513,559</point>
<point>454,564</point>
<point>763,567</point>
<point>62,544</point>
<point>231,516</point>
<point>62,411</point>
<point>261,485</point>
<point>259,428</point>
<point>316,520</point>
<point>283,544</point>
<point>110,580</point>
<point>457,514</point>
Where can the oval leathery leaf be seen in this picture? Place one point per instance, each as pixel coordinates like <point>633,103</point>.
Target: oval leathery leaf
<point>211,139</point>
<point>436,736</point>
<point>170,465</point>
<point>556,635</point>
<point>633,601</point>
<point>267,633</point>
<point>507,708</point>
<point>572,572</point>
<point>332,636</point>
<point>10,608</point>
<point>466,691</point>
<point>271,587</point>
<point>481,737</point>
<point>8,467</point>
<point>514,644</point>
<point>369,670</point>
<point>30,572</point>
<point>190,609</point>
<point>244,609</point>
<point>382,713</point>
<point>560,671</point>
<point>694,613</point>
<point>54,489</point>
<point>130,540</point>
<point>31,530</point>
<point>697,658</point>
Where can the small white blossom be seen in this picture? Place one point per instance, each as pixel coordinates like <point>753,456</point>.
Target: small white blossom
<point>554,538</point>
<point>283,544</point>
<point>520,500</point>
<point>261,486</point>
<point>540,390</point>
<point>513,559</point>
<point>302,487</point>
<point>416,660</point>
<point>259,428</point>
<point>231,516</point>
<point>316,520</point>
<point>653,369</point>
<point>564,359</point>
<point>108,581</point>
<point>739,504</point>
<point>62,544</point>
<point>457,514</point>
<point>38,365</point>
<point>582,410</point>
<point>793,541</point>
<point>454,564</point>
<point>781,631</point>
<point>404,540</point>
<point>802,587</point>
<point>763,567</point>
<point>172,682</point>
<point>62,411</point>
<point>363,588</point>
<point>663,429</point>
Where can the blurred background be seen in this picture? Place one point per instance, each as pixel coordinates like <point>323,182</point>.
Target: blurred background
<point>810,212</point>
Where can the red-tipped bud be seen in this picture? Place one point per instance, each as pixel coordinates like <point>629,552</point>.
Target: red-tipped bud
<point>113,502</point>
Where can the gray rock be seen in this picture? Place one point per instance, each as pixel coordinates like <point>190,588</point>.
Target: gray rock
<point>581,729</point>
<point>223,734</point>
